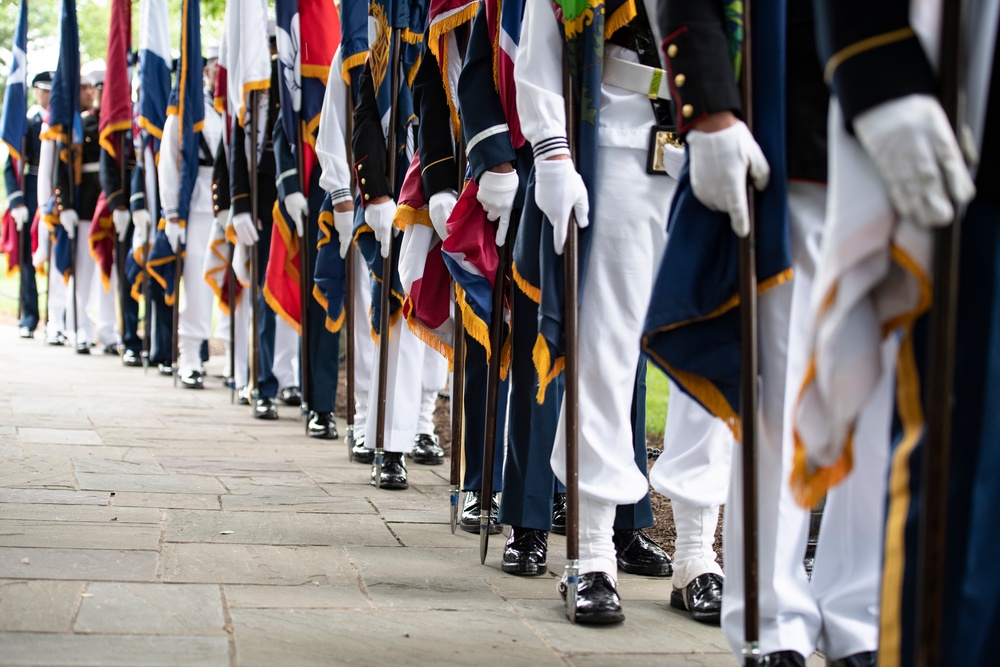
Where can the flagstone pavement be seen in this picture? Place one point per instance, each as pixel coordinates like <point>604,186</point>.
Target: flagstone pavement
<point>146,525</point>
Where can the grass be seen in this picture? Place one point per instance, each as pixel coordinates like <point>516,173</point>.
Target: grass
<point>657,393</point>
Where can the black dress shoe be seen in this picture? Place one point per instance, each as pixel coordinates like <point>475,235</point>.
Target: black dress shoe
<point>426,451</point>
<point>637,554</point>
<point>597,601</point>
<point>166,369</point>
<point>559,514</point>
<point>56,340</point>
<point>264,408</point>
<point>25,332</point>
<point>702,597</point>
<point>82,348</point>
<point>193,379</point>
<point>243,396</point>
<point>866,659</point>
<point>131,358</point>
<point>393,472</point>
<point>782,659</point>
<point>469,522</point>
<point>110,350</point>
<point>322,426</point>
<point>290,396</point>
<point>362,454</point>
<point>524,553</point>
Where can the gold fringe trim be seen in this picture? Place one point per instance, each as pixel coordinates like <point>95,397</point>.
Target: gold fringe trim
<point>350,62</point>
<point>281,312</point>
<point>621,17</point>
<point>475,326</point>
<point>441,28</point>
<point>411,37</point>
<point>505,352</point>
<point>148,125</point>
<point>313,71</point>
<point>406,216</point>
<point>105,141</point>
<point>432,341</point>
<point>529,290</point>
<point>93,240</point>
<point>547,370</point>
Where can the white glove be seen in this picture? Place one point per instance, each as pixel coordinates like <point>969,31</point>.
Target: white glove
<point>720,162</point>
<point>496,194</point>
<point>121,219</point>
<point>298,210</point>
<point>379,217</point>
<point>559,192</point>
<point>246,230</point>
<point>343,222</point>
<point>41,254</point>
<point>914,148</point>
<point>20,215</point>
<point>241,263</point>
<point>175,234</point>
<point>141,221</point>
<point>222,219</point>
<point>440,207</point>
<point>69,219</point>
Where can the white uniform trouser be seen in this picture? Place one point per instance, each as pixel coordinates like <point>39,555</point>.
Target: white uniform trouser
<point>195,318</point>
<point>435,376</point>
<point>105,301</point>
<point>85,269</point>
<point>56,304</point>
<point>628,235</point>
<point>242,329</point>
<point>364,346</point>
<point>286,355</point>
<point>405,389</point>
<point>839,608</point>
<point>693,471</point>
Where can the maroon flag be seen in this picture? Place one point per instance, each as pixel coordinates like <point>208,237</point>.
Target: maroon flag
<point>116,101</point>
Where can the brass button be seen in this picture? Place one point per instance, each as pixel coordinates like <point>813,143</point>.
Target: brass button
<point>363,181</point>
<point>679,80</point>
<point>672,50</point>
<point>687,110</point>
<point>359,167</point>
<point>367,197</point>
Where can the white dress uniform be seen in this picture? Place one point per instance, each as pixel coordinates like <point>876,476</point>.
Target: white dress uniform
<point>57,288</point>
<point>195,321</point>
<point>629,235</point>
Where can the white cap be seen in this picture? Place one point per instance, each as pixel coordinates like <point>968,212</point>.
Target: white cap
<point>211,53</point>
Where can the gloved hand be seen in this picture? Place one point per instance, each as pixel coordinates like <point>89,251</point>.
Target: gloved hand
<point>41,254</point>
<point>720,162</point>
<point>440,207</point>
<point>673,160</point>
<point>298,210</point>
<point>121,219</point>
<point>343,222</point>
<point>241,263</point>
<point>560,191</point>
<point>176,234</point>
<point>914,148</point>
<point>20,215</point>
<point>141,221</point>
<point>69,219</point>
<point>496,194</point>
<point>222,219</point>
<point>246,230</point>
<point>379,217</point>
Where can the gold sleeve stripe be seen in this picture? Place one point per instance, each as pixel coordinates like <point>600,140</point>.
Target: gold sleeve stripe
<point>867,44</point>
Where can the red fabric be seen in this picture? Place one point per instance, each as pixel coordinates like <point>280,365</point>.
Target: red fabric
<point>319,29</point>
<point>8,241</point>
<point>102,239</point>
<point>116,100</point>
<point>281,282</point>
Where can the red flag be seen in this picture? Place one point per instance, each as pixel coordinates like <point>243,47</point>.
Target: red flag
<point>102,240</point>
<point>319,27</point>
<point>116,100</point>
<point>8,242</point>
<point>281,283</point>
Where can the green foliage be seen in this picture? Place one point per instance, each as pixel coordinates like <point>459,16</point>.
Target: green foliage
<point>657,395</point>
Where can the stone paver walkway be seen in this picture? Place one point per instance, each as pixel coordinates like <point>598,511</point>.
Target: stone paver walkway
<point>146,525</point>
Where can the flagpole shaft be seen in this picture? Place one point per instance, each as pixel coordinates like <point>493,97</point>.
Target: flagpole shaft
<point>940,393</point>
<point>387,262</point>
<point>349,321</point>
<point>21,235</point>
<point>304,271</point>
<point>748,383</point>
<point>231,298</point>
<point>120,251</point>
<point>254,286</point>
<point>458,373</point>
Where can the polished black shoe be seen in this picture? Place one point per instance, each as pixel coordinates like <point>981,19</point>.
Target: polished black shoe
<point>56,340</point>
<point>559,514</point>
<point>426,451</point>
<point>638,554</point>
<point>166,369</point>
<point>243,396</point>
<point>193,379</point>
<point>702,597</point>
<point>82,348</point>
<point>525,551</point>
<point>782,659</point>
<point>25,332</point>
<point>290,396</point>
<point>362,454</point>
<point>469,522</point>
<point>131,358</point>
<point>322,426</point>
<point>393,472</point>
<point>866,659</point>
<point>110,350</point>
<point>264,408</point>
<point>597,601</point>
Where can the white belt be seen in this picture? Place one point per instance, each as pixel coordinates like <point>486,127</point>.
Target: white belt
<point>642,79</point>
<point>90,168</point>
